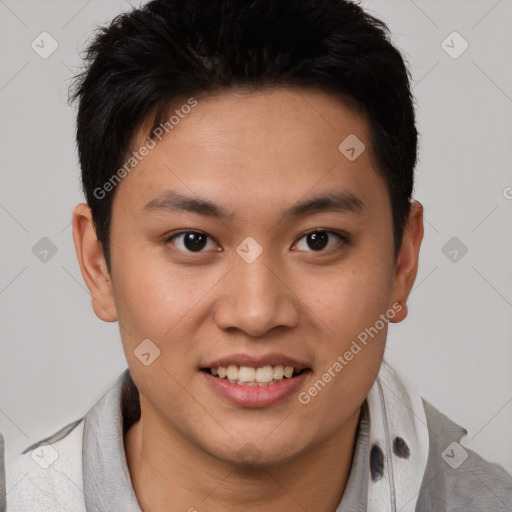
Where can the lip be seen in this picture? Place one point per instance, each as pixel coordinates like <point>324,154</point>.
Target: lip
<point>255,396</point>
<point>272,359</point>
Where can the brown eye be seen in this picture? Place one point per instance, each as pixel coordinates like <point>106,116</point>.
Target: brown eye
<point>191,241</point>
<point>318,240</point>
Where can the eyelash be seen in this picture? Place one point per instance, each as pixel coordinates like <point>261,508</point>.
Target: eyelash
<point>344,238</point>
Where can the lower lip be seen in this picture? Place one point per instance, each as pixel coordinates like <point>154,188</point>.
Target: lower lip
<point>255,396</point>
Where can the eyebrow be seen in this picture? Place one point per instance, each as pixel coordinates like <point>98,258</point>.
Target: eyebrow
<point>341,201</point>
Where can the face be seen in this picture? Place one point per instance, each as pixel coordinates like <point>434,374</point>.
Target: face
<point>251,282</point>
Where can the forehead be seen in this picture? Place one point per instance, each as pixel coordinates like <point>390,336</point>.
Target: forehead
<point>258,147</point>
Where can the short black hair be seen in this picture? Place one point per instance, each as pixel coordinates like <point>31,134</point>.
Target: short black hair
<point>150,58</point>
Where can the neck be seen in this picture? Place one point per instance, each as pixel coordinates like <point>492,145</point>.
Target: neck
<point>168,469</point>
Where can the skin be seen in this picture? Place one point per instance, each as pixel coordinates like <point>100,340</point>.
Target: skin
<point>256,154</point>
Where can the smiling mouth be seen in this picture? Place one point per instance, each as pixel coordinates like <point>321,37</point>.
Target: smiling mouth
<point>249,376</point>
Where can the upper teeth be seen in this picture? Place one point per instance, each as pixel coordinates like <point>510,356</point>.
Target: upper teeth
<point>265,374</point>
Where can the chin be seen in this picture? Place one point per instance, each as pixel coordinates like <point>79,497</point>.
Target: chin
<point>254,453</point>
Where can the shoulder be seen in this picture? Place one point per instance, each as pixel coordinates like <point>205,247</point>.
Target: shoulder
<point>457,478</point>
<point>47,476</point>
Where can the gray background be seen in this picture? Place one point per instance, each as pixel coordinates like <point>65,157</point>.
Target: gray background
<point>57,358</point>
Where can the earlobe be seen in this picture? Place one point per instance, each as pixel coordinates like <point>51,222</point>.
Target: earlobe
<point>406,267</point>
<point>92,263</point>
<point>400,311</point>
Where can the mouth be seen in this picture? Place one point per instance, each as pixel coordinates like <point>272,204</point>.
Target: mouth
<point>261,376</point>
<point>250,380</point>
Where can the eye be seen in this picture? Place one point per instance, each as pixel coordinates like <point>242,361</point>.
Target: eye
<point>196,241</point>
<point>192,241</point>
<point>319,239</point>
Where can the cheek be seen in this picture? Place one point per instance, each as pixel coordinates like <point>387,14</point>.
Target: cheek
<point>160,303</point>
<point>164,302</point>
<point>152,295</point>
<point>349,303</point>
<point>349,297</point>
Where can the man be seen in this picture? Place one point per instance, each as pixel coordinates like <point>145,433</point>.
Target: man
<point>248,169</point>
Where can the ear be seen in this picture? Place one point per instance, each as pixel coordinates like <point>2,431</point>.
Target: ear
<point>92,264</point>
<point>406,266</point>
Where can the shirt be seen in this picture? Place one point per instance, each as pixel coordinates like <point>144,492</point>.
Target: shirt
<point>91,473</point>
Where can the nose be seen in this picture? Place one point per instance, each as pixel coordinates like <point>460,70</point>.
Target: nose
<point>256,298</point>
